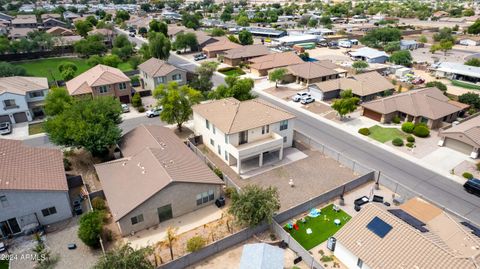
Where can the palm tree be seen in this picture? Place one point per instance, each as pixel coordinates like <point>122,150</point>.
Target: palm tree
<point>170,238</point>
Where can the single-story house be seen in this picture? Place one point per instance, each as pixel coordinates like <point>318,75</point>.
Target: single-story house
<point>409,44</point>
<point>174,30</point>
<point>463,137</point>
<point>266,32</point>
<point>261,65</point>
<point>154,72</point>
<point>457,71</point>
<point>469,42</point>
<point>158,178</point>
<point>107,34</point>
<point>297,39</point>
<point>17,33</point>
<point>203,38</point>
<point>369,55</point>
<point>51,22</point>
<point>137,22</point>
<point>219,47</point>
<point>60,31</point>
<point>25,21</point>
<point>427,105</point>
<point>366,86</point>
<point>241,54</point>
<point>312,72</point>
<point>33,188</point>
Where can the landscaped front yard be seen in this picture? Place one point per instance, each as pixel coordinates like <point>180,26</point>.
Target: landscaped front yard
<point>322,227</point>
<point>383,135</point>
<point>35,128</point>
<point>231,71</point>
<point>465,85</point>
<point>3,264</point>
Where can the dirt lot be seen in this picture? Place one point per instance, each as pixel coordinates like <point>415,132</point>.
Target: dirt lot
<point>285,93</point>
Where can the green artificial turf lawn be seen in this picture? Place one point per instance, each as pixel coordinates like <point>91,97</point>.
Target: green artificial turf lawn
<point>233,72</point>
<point>35,128</point>
<point>321,229</point>
<point>3,264</point>
<point>385,134</point>
<point>47,67</point>
<point>465,85</point>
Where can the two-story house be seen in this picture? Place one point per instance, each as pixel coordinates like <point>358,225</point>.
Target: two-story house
<point>25,21</point>
<point>22,98</point>
<point>33,187</point>
<point>154,72</point>
<point>245,135</point>
<point>101,80</point>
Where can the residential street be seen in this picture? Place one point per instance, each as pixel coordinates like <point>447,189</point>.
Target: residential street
<point>126,125</point>
<point>426,182</point>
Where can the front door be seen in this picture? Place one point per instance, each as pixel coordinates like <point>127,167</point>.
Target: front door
<point>243,137</point>
<point>9,227</point>
<point>165,213</point>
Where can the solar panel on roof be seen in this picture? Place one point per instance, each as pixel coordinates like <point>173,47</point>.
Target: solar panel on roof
<point>475,229</point>
<point>409,219</point>
<point>379,227</point>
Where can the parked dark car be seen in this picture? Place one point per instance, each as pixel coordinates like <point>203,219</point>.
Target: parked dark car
<point>472,186</point>
<point>77,206</point>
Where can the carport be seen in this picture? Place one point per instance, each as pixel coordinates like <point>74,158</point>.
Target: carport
<point>259,160</point>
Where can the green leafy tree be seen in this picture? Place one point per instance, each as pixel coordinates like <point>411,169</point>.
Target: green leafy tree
<point>233,39</point>
<point>8,70</point>
<point>146,7</point>
<point>142,31</point>
<point>226,16</point>
<point>423,39</point>
<point>125,256</point>
<point>83,27</point>
<point>312,23</point>
<point>392,46</point>
<point>145,52</point>
<point>240,89</point>
<point>92,20</point>
<point>92,45</point>
<point>111,60</point>
<point>203,82</point>
<point>158,27</point>
<point>470,98</point>
<point>190,21</point>
<point>245,37</point>
<point>88,123</point>
<point>122,47</point>
<point>346,104</point>
<point>90,228</point>
<point>122,15</point>
<point>218,32</point>
<point>242,21</point>
<point>473,62</point>
<point>57,101</point>
<point>159,46</point>
<point>402,57</point>
<point>359,66</point>
<point>277,75</point>
<point>67,70</point>
<point>186,40</point>
<point>254,204</point>
<point>177,102</point>
<point>474,29</point>
<point>94,60</point>
<point>445,34</point>
<point>437,84</point>
<point>380,36</point>
<point>445,46</point>
<point>195,243</point>
<point>136,100</point>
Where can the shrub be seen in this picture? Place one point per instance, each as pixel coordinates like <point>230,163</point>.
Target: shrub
<point>195,243</point>
<point>467,175</point>
<point>218,172</point>
<point>67,164</point>
<point>421,131</point>
<point>364,131</point>
<point>410,145</point>
<point>396,120</point>
<point>229,191</point>
<point>478,166</point>
<point>141,109</point>
<point>397,142</point>
<point>107,234</point>
<point>98,203</point>
<point>136,100</point>
<point>410,139</point>
<point>90,228</point>
<point>408,127</point>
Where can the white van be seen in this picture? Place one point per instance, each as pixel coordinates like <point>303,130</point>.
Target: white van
<point>345,43</point>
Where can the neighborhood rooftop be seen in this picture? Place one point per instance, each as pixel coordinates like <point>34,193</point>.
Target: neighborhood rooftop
<point>28,168</point>
<point>362,84</point>
<point>155,67</point>
<point>247,51</point>
<point>275,60</point>
<point>96,76</point>
<point>22,85</point>
<point>458,68</point>
<point>317,69</point>
<point>468,129</point>
<point>232,116</point>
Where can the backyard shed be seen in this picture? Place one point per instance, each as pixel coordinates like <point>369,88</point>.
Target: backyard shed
<point>262,256</point>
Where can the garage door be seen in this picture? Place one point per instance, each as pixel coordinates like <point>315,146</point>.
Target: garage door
<point>372,115</point>
<point>318,95</point>
<point>20,117</point>
<point>458,145</point>
<point>5,118</point>
<point>125,99</point>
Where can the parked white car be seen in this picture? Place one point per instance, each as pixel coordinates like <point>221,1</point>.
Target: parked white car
<point>125,108</point>
<point>300,95</point>
<point>307,100</point>
<point>5,128</point>
<point>154,112</point>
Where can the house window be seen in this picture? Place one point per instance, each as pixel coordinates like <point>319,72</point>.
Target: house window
<point>103,89</point>
<point>359,263</point>
<point>177,77</point>
<point>137,219</point>
<point>122,86</point>
<point>213,129</point>
<point>9,103</point>
<point>160,79</point>
<point>284,139</point>
<point>205,197</point>
<point>207,124</point>
<point>211,196</point>
<point>212,142</point>
<point>219,150</point>
<point>49,211</point>
<point>226,139</point>
<point>35,94</point>
<point>4,201</point>
<point>243,137</point>
<point>226,155</point>
<point>283,125</point>
<point>265,129</point>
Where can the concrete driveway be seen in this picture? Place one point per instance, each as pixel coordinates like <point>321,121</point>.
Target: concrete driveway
<point>19,131</point>
<point>445,159</point>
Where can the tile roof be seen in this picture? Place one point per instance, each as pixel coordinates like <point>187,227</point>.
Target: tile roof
<point>96,76</point>
<point>21,19</point>
<point>232,116</point>
<point>427,102</point>
<point>469,129</point>
<point>402,247</point>
<point>154,158</point>
<point>247,51</point>
<point>202,37</point>
<point>275,60</point>
<point>24,167</point>
<point>156,68</point>
<point>60,31</point>
<point>311,70</point>
<point>20,32</point>
<point>362,84</point>
<point>221,45</point>
<point>22,85</point>
<point>174,29</point>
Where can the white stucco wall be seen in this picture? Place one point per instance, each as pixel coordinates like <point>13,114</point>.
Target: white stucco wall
<point>347,257</point>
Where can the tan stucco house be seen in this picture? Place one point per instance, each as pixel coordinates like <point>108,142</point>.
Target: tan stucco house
<point>154,72</point>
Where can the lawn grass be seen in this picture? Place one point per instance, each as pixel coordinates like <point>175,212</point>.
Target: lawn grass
<point>321,228</point>
<point>35,128</point>
<point>125,66</point>
<point>465,85</point>
<point>232,72</point>
<point>48,67</point>
<point>385,134</point>
<point>3,264</point>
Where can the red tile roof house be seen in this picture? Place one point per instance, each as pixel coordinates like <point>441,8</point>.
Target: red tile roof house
<point>101,80</point>
<point>33,187</point>
<point>157,179</point>
<point>428,105</point>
